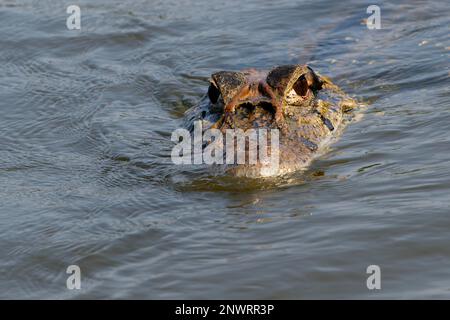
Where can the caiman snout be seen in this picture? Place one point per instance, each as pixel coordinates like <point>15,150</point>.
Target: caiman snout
<point>256,93</point>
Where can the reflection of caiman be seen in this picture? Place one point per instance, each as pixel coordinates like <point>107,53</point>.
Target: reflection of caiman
<point>306,107</point>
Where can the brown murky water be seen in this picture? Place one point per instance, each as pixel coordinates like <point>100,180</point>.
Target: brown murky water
<point>86,176</point>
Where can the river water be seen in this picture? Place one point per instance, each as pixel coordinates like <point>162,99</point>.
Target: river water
<point>86,177</point>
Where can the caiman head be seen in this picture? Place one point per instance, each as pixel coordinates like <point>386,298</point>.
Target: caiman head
<point>303,107</point>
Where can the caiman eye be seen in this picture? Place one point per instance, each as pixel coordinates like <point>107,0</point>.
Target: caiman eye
<point>213,93</point>
<point>301,86</point>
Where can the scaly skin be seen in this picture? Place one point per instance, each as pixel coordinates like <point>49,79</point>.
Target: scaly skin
<point>307,108</point>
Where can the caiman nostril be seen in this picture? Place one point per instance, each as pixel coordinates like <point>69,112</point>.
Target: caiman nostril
<point>252,105</point>
<point>247,106</point>
<point>267,106</point>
